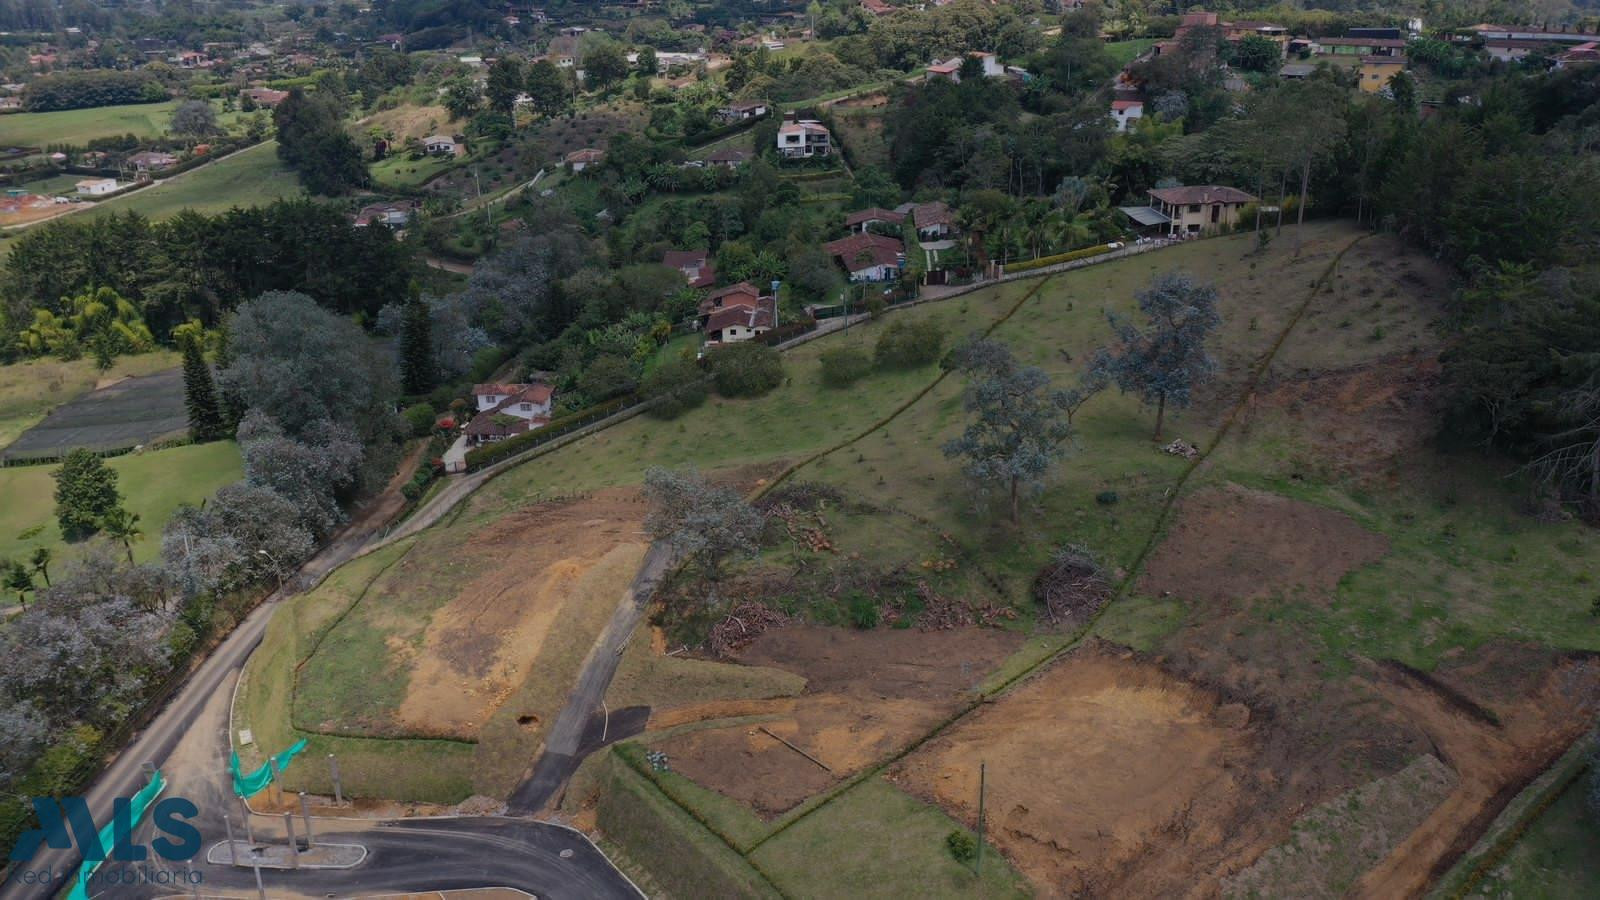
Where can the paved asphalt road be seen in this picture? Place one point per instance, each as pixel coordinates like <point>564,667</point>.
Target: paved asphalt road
<point>188,740</point>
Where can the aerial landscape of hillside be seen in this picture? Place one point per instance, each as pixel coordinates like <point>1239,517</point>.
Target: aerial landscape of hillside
<point>858,448</point>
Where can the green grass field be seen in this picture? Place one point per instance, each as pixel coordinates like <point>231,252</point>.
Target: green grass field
<point>152,484</point>
<point>79,126</point>
<point>1125,52</point>
<point>250,177</point>
<point>30,389</point>
<point>403,172</point>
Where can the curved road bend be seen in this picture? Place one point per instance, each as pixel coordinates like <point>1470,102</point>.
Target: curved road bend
<point>212,683</point>
<point>403,856</point>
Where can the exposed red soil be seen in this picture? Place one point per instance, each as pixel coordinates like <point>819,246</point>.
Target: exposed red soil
<point>868,694</point>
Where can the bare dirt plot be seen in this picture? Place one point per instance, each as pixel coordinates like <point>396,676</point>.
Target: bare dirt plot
<point>530,567</point>
<point>868,693</point>
<point>122,414</point>
<point>1355,420</point>
<point>409,122</point>
<point>1233,544</point>
<point>1106,775</point>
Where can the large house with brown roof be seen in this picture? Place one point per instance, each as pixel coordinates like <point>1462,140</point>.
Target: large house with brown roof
<point>736,313</point>
<point>868,257</point>
<point>504,410</point>
<point>1193,209</point>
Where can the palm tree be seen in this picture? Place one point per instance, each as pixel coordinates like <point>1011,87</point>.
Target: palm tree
<point>121,525</point>
<point>41,563</point>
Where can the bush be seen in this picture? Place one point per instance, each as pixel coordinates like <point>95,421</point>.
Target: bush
<point>746,369</point>
<point>1043,261</point>
<point>906,344</point>
<point>863,612</point>
<point>844,366</point>
<point>676,386</point>
<point>608,376</point>
<point>419,417</point>
<point>962,846</point>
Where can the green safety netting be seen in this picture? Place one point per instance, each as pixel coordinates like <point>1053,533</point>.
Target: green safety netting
<point>257,781</point>
<point>137,804</point>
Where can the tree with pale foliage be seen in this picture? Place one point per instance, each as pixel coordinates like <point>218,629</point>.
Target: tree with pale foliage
<point>1166,359</point>
<point>1019,428</point>
<point>194,120</point>
<point>705,524</point>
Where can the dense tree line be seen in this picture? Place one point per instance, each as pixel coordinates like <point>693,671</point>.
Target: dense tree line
<point>313,141</point>
<point>193,266</point>
<point>96,87</point>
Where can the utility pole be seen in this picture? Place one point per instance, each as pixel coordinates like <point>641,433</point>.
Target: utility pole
<point>294,846</point>
<point>255,863</point>
<point>233,849</point>
<point>305,813</point>
<point>338,791</point>
<point>977,867</point>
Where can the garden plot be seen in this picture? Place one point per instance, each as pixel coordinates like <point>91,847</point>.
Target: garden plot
<point>127,413</point>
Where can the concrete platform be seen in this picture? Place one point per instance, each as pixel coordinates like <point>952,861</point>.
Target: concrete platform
<point>322,855</point>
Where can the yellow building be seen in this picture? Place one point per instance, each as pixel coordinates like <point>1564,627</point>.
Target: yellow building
<point>1377,70</point>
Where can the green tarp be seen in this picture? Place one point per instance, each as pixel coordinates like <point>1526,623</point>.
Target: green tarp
<point>257,781</point>
<point>137,805</point>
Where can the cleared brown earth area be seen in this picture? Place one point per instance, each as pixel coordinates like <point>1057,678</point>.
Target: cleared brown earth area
<point>1105,775</point>
<point>868,694</point>
<point>1234,544</point>
<point>530,568</point>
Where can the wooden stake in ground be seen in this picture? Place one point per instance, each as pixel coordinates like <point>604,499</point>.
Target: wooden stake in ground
<point>977,866</point>
<point>796,749</point>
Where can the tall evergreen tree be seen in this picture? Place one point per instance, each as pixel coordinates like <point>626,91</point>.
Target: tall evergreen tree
<point>418,374</point>
<point>206,422</point>
<point>86,490</point>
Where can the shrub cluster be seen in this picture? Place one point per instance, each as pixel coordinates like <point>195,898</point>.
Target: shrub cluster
<point>1053,259</point>
<point>907,344</point>
<point>746,369</point>
<point>844,366</point>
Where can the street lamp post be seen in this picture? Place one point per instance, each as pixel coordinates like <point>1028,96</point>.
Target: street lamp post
<point>277,568</point>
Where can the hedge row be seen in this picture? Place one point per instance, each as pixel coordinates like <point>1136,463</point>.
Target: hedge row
<point>490,454</point>
<point>1043,261</point>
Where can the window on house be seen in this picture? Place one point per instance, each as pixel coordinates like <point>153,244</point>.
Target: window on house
<point>1216,211</point>
<point>1194,207</point>
<point>527,407</point>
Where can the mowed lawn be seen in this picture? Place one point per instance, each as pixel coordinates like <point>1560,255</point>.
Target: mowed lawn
<point>30,389</point>
<point>79,126</point>
<point>250,177</point>
<point>152,484</point>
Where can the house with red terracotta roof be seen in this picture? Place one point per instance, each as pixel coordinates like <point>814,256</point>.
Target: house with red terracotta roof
<point>742,294</point>
<point>933,221</point>
<point>695,265</point>
<point>868,257</point>
<point>504,410</point>
<point>861,220</point>
<point>732,324</point>
<point>1126,113</point>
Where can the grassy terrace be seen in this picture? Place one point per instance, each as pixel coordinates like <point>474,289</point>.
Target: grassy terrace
<point>153,484</point>
<point>250,177</point>
<point>79,126</point>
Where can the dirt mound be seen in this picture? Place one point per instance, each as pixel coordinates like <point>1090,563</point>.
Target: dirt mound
<point>868,693</point>
<point>1238,544</point>
<point>1105,775</point>
<point>529,566</point>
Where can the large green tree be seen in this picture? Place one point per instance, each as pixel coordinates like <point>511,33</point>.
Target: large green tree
<point>418,372</point>
<point>86,491</point>
<point>312,140</point>
<point>505,82</point>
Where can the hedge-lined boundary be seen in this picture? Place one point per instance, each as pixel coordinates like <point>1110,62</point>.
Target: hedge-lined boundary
<point>1069,256</point>
<point>489,454</point>
<point>1520,814</point>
